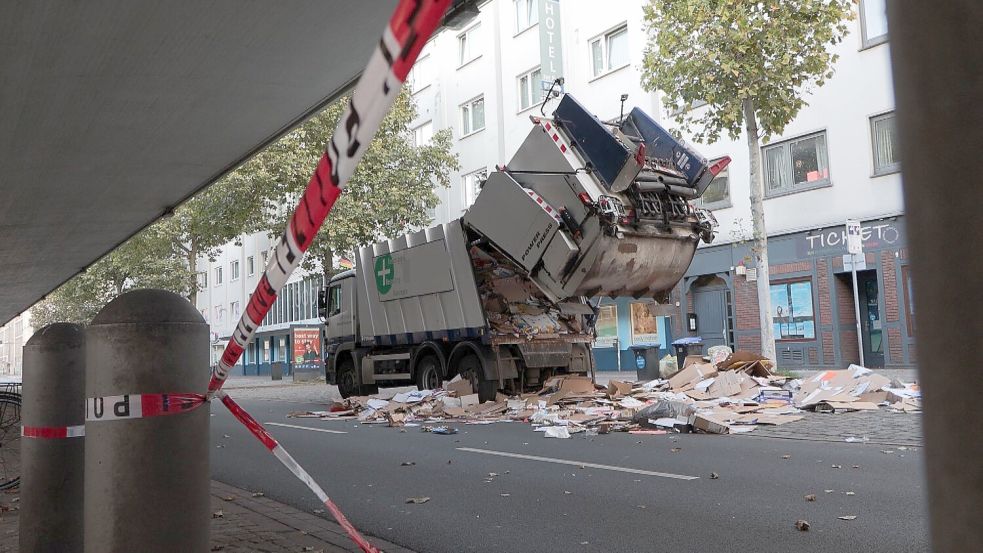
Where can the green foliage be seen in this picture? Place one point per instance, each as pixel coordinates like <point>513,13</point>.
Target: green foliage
<point>390,192</point>
<point>723,52</point>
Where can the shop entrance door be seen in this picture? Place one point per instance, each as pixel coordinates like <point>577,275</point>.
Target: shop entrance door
<point>710,306</point>
<point>871,325</point>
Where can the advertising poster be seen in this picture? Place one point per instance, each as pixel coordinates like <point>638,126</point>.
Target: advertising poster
<point>644,324</point>
<point>607,326</point>
<point>307,348</point>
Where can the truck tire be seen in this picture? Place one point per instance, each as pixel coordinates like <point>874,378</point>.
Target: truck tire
<point>428,375</point>
<point>346,378</point>
<point>470,369</point>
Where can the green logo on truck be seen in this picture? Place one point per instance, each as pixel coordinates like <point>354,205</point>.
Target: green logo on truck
<point>384,272</point>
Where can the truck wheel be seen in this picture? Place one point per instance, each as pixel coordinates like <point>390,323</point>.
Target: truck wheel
<point>428,373</point>
<point>347,379</point>
<point>470,369</point>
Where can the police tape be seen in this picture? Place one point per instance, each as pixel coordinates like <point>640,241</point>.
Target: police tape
<point>139,406</point>
<point>53,432</point>
<point>402,40</point>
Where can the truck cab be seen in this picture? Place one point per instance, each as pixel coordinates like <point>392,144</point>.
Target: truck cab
<point>338,311</point>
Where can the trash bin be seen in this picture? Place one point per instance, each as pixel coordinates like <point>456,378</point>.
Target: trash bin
<point>690,345</point>
<point>646,361</point>
<point>276,372</point>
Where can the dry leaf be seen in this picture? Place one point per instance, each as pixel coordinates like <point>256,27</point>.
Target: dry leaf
<point>802,525</point>
<point>417,500</point>
<point>811,497</point>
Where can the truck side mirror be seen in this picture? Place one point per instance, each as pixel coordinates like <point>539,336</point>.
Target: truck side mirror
<point>322,303</point>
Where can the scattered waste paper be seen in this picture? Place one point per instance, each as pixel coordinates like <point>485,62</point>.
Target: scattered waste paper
<point>802,525</point>
<point>417,500</point>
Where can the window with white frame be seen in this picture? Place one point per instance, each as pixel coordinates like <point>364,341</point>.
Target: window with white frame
<point>423,134</point>
<point>234,309</point>
<point>265,256</point>
<point>250,266</point>
<point>219,313</point>
<point>718,193</point>
<point>873,22</point>
<point>218,276</point>
<point>884,135</point>
<point>609,51</point>
<point>467,48</point>
<point>526,14</point>
<point>473,116</point>
<point>472,185</point>
<point>798,164</point>
<point>234,270</point>
<point>421,75</point>
<point>530,88</point>
<point>202,279</point>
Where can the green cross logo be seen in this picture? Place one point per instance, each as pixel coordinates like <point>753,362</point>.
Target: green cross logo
<point>384,272</point>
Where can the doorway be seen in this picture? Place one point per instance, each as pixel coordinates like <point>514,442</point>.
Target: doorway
<point>871,325</point>
<point>711,303</point>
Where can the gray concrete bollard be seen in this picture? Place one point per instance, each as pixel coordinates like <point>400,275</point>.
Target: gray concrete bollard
<point>146,479</point>
<point>53,446</point>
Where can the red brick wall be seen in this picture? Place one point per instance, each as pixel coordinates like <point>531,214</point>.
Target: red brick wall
<point>749,343</point>
<point>844,300</point>
<point>828,353</point>
<point>848,346</point>
<point>822,281</point>
<point>894,348</point>
<point>891,308</point>
<point>746,304</point>
<point>785,268</point>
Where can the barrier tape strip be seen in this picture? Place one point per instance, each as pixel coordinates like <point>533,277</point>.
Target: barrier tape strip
<point>53,432</point>
<point>288,461</point>
<point>139,406</point>
<point>402,40</point>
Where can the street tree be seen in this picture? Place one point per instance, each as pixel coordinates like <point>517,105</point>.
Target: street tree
<point>752,63</point>
<point>392,190</point>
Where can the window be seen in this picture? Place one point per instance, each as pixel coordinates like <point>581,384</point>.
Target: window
<point>423,134</point>
<point>334,300</point>
<point>530,89</point>
<point>265,256</point>
<point>202,279</point>
<point>791,311</point>
<point>609,51</point>
<point>884,135</point>
<point>421,75</point>
<point>234,270</point>
<point>606,326</point>
<point>218,276</point>
<point>219,313</point>
<point>234,310</point>
<point>472,185</point>
<point>794,165</point>
<point>873,22</point>
<point>250,266</point>
<point>466,47</point>
<point>718,193</point>
<point>266,351</point>
<point>473,116</point>
<point>281,353</point>
<point>526,14</point>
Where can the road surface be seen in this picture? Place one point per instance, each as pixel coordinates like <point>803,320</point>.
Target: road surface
<point>616,492</point>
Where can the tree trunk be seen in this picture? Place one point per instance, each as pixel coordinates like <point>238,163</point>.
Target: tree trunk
<point>193,271</point>
<point>327,265</point>
<point>759,247</point>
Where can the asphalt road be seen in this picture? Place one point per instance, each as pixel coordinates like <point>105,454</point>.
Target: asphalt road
<point>622,493</point>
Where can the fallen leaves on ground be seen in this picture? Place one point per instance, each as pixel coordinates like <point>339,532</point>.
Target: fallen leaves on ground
<point>417,500</point>
<point>802,525</point>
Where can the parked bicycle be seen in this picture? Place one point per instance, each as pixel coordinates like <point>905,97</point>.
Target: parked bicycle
<point>10,435</point>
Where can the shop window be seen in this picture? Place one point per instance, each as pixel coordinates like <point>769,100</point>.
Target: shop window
<point>884,135</point>
<point>644,324</point>
<point>607,326</point>
<point>791,310</point>
<point>796,165</point>
<point>873,22</point>
<point>609,51</point>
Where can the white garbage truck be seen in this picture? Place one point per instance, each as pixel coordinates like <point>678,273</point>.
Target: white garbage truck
<point>502,296</point>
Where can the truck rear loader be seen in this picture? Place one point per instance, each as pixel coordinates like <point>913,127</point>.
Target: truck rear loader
<point>501,296</point>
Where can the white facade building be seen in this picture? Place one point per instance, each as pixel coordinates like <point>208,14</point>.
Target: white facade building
<point>13,336</point>
<point>835,161</point>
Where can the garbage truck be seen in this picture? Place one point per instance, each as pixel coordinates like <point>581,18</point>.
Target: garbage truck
<point>503,295</point>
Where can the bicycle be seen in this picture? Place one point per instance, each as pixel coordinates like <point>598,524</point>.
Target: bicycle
<point>10,436</point>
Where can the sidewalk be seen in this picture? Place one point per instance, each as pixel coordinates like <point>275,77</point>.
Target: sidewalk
<point>246,524</point>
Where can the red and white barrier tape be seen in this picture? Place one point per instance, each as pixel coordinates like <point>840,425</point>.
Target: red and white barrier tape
<point>288,461</point>
<point>139,406</point>
<point>53,432</point>
<point>408,30</point>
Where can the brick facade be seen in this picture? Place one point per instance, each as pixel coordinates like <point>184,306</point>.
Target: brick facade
<point>892,311</point>
<point>746,305</point>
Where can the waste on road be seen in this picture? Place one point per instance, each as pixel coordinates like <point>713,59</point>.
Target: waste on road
<point>733,395</point>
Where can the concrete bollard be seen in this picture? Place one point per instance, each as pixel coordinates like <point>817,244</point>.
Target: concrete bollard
<point>53,447</point>
<point>146,479</point>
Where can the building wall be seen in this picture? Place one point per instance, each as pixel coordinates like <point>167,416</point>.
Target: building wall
<point>13,336</point>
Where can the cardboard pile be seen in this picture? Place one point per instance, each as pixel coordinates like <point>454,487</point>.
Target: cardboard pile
<point>513,304</point>
<point>734,396</point>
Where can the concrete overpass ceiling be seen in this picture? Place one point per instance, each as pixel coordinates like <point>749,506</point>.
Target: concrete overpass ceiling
<point>112,111</point>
